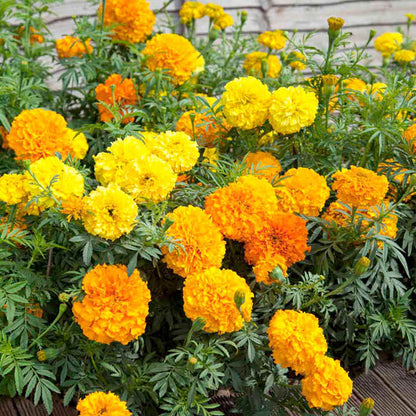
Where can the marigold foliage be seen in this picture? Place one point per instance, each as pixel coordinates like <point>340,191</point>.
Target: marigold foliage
<point>175,54</point>
<point>246,102</point>
<point>131,20</point>
<point>263,164</point>
<point>109,212</point>
<point>103,404</point>
<point>250,199</point>
<point>388,43</point>
<point>115,305</point>
<point>203,244</point>
<point>210,295</point>
<point>292,109</point>
<point>272,40</point>
<point>255,61</point>
<point>328,385</point>
<point>360,187</point>
<point>70,46</point>
<point>296,340</point>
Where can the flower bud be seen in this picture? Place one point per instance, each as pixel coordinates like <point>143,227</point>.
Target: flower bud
<point>277,274</point>
<point>244,16</point>
<point>335,23</point>
<point>361,266</point>
<point>366,407</point>
<point>214,34</point>
<point>193,360</point>
<point>329,80</point>
<point>239,298</point>
<point>47,354</point>
<point>64,297</point>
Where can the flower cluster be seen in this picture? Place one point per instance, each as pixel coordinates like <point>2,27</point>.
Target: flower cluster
<point>70,46</point>
<point>103,404</point>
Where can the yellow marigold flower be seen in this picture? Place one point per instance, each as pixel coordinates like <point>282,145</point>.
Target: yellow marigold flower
<point>241,208</point>
<point>109,212</point>
<point>79,143</point>
<point>13,188</point>
<point>223,21</point>
<point>175,148</point>
<point>388,226</point>
<point>69,46</point>
<point>302,190</point>
<point>292,109</point>
<point>297,60</point>
<point>213,11</point>
<point>404,56</point>
<point>329,80</point>
<point>355,84</point>
<point>124,150</point>
<point>263,164</point>
<point>246,102</point>
<point>296,340</point>
<point>116,91</point>
<point>63,181</point>
<point>377,90</point>
<point>191,10</point>
<point>39,133</point>
<point>265,267</point>
<point>211,156</point>
<point>360,187</point>
<point>335,23</point>
<point>115,305</point>
<point>203,245</point>
<point>273,40</point>
<point>133,20</point>
<point>255,61</point>
<point>210,295</point>
<point>327,385</point>
<point>410,17</point>
<point>73,208</point>
<point>175,54</point>
<point>283,235</point>
<point>409,136</point>
<point>102,404</point>
<point>388,43</point>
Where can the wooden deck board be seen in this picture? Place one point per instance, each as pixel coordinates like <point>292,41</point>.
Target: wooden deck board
<point>6,407</point>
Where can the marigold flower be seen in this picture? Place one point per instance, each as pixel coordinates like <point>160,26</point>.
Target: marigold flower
<point>203,245</point>
<point>255,62</point>
<point>272,40</point>
<point>39,133</point>
<point>109,212</point>
<point>175,54</point>
<point>115,305</point>
<point>190,11</point>
<point>70,46</point>
<point>3,138</point>
<point>213,11</point>
<point>263,164</point>
<point>388,43</point>
<point>327,385</point>
<point>410,136</point>
<point>377,90</point>
<point>211,156</point>
<point>210,295</point>
<point>296,340</point>
<point>284,235</point>
<point>116,91</point>
<point>292,109</point>
<point>103,404</point>
<point>360,187</point>
<point>246,102</point>
<point>13,188</point>
<point>223,21</point>
<point>265,267</point>
<point>297,60</point>
<point>133,20</point>
<point>242,208</point>
<point>302,190</point>
<point>404,56</point>
<point>175,148</point>
<point>335,23</point>
<point>34,37</point>
<point>73,208</point>
<point>410,17</point>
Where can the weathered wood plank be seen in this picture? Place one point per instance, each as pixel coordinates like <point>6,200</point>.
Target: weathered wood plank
<point>6,407</point>
<point>26,408</point>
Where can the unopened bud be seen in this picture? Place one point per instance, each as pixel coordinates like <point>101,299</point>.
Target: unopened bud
<point>362,266</point>
<point>239,298</point>
<point>193,360</point>
<point>214,34</point>
<point>329,80</point>
<point>366,407</point>
<point>244,16</point>
<point>64,297</point>
<point>277,274</point>
<point>335,23</point>
<point>47,354</point>
<point>264,67</point>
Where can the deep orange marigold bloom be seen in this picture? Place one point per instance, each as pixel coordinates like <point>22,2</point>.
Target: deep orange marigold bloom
<point>115,305</point>
<point>243,207</point>
<point>266,265</point>
<point>116,91</point>
<point>263,164</point>
<point>360,187</point>
<point>131,20</point>
<point>102,404</point>
<point>34,37</point>
<point>283,234</point>
<point>327,385</point>
<point>73,208</point>
<point>410,136</point>
<point>3,137</point>
<point>175,54</point>
<point>302,190</point>
<point>296,339</point>
<point>203,245</point>
<point>210,295</point>
<point>39,133</point>
<point>69,47</point>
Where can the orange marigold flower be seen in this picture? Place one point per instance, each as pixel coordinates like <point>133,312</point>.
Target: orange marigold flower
<point>175,54</point>
<point>354,85</point>
<point>302,190</point>
<point>296,339</point>
<point>410,136</point>
<point>360,187</point>
<point>263,164</point>
<point>283,234</point>
<point>3,137</point>
<point>35,37</point>
<point>131,20</point>
<point>116,91</point>
<point>327,385</point>
<point>34,309</point>
<point>210,295</point>
<point>102,404</point>
<point>39,133</point>
<point>69,47</point>
<point>265,267</point>
<point>203,245</point>
<point>242,208</point>
<point>73,208</point>
<point>115,305</point>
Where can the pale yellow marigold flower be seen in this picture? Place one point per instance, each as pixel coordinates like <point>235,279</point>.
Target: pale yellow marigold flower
<point>404,56</point>
<point>191,10</point>
<point>388,43</point>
